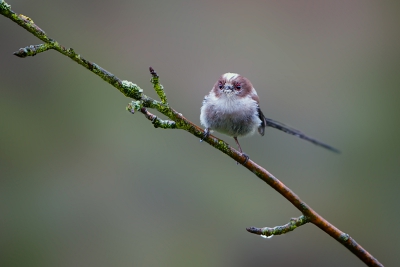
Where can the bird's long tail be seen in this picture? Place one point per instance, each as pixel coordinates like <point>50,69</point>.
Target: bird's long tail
<point>289,130</point>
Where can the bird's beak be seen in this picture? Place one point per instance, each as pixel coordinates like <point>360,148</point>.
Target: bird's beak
<point>228,88</point>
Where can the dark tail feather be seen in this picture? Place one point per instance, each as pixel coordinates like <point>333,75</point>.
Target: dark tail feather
<point>287,129</point>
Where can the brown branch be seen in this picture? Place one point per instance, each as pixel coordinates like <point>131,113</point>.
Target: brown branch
<point>133,91</point>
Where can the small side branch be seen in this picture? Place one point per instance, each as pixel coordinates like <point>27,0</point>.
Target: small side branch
<point>155,80</point>
<point>32,50</point>
<point>279,230</point>
<point>157,122</point>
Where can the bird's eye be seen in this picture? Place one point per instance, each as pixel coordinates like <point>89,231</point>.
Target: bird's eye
<point>220,85</point>
<point>238,86</point>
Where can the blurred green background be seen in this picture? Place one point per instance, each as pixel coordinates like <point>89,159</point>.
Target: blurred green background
<point>84,183</point>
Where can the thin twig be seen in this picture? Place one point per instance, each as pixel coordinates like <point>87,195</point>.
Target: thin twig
<point>32,50</point>
<point>156,121</point>
<point>131,90</point>
<point>158,86</point>
<point>279,230</point>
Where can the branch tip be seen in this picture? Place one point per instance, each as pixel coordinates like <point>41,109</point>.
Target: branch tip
<point>254,230</point>
<point>134,106</point>
<point>279,230</point>
<point>153,72</point>
<point>32,50</point>
<point>158,86</point>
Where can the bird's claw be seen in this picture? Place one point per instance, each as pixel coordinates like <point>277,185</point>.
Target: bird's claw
<point>245,160</point>
<point>206,134</point>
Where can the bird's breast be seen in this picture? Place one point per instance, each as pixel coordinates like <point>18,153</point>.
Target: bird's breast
<point>233,116</point>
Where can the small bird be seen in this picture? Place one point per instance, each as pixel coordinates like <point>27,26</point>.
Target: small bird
<point>232,108</point>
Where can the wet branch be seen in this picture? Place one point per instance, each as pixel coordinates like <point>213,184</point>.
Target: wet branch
<point>177,121</point>
<point>279,230</point>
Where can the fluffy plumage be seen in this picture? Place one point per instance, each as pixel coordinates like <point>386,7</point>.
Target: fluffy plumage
<point>232,108</point>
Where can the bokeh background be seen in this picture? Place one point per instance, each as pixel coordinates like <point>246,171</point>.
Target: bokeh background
<point>85,183</point>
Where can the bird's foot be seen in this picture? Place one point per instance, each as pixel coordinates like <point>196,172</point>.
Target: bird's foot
<point>246,158</point>
<point>206,134</point>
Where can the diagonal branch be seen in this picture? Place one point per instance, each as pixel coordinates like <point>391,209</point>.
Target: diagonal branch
<point>133,91</point>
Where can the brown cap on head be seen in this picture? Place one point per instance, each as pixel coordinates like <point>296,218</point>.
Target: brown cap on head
<point>241,85</point>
